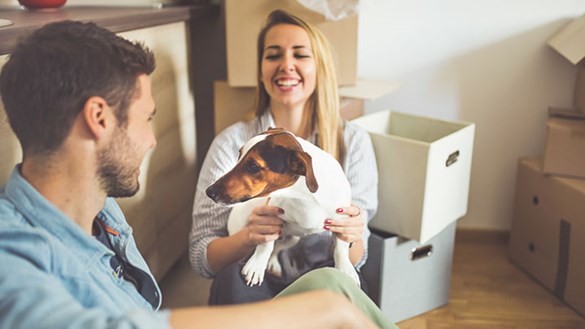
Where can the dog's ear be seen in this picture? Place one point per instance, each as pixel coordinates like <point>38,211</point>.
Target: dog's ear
<point>301,164</point>
<point>274,130</point>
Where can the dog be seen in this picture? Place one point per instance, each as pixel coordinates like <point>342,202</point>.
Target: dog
<point>295,175</point>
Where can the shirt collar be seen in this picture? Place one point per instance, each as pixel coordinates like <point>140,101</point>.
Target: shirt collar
<point>267,121</point>
<point>41,213</point>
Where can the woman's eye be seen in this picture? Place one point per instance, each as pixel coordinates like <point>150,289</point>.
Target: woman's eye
<point>272,57</point>
<point>253,168</point>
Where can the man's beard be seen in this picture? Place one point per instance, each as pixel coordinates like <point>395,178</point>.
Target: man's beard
<point>116,177</point>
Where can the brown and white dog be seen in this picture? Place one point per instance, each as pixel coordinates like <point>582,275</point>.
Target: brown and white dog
<point>305,181</point>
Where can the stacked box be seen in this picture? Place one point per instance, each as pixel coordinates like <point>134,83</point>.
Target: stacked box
<point>406,278</point>
<point>424,167</point>
<point>564,152</point>
<point>546,238</point>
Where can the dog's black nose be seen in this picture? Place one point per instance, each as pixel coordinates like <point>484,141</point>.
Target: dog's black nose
<point>212,192</point>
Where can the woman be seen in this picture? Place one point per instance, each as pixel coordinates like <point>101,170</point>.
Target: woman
<point>297,90</point>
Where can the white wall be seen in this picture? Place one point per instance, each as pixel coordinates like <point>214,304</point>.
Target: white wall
<point>481,61</point>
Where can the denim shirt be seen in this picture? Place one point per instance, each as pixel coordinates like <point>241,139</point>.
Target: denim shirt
<point>54,275</point>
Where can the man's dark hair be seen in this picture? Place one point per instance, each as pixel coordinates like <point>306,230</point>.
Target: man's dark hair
<point>53,72</point>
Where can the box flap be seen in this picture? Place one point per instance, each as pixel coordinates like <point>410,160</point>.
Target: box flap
<point>564,113</point>
<point>570,41</point>
<point>369,89</point>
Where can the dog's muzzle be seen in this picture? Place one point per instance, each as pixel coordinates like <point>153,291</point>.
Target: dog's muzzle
<point>214,192</point>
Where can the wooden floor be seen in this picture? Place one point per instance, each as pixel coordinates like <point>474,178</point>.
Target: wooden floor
<point>487,291</point>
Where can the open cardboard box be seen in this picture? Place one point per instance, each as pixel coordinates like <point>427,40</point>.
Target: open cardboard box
<point>570,43</point>
<point>424,168</point>
<point>245,18</point>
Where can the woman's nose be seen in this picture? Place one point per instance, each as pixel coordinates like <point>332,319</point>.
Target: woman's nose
<point>287,64</point>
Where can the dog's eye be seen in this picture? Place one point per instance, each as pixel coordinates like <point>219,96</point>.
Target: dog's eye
<point>253,168</point>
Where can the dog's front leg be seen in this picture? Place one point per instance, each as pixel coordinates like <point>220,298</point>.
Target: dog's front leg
<point>286,242</point>
<point>342,261</point>
<point>255,267</point>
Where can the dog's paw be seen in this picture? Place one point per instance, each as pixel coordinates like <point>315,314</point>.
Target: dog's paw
<point>348,269</point>
<point>274,267</point>
<point>253,273</point>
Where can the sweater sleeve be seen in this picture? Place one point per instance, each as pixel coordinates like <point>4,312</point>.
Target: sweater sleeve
<point>210,219</point>
<point>362,172</point>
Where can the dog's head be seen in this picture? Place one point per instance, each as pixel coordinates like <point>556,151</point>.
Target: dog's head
<point>268,162</point>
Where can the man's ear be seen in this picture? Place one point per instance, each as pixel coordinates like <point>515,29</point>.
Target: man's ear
<point>95,114</point>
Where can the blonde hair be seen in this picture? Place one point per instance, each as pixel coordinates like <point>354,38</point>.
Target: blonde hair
<point>324,103</point>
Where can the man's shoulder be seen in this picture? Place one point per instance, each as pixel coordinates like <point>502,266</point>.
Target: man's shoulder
<point>9,214</point>
<point>18,237</point>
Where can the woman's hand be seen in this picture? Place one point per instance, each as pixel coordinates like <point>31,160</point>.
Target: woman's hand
<point>350,228</point>
<point>264,225</point>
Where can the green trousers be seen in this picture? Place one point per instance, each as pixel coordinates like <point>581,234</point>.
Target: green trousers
<point>331,279</point>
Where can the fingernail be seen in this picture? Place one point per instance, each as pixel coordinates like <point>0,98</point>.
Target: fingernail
<point>280,210</point>
<point>339,210</point>
<point>326,227</point>
<point>328,221</point>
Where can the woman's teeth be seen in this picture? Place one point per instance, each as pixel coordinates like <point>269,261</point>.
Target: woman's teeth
<point>287,83</point>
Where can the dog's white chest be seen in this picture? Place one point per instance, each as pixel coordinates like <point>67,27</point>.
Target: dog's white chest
<point>302,216</point>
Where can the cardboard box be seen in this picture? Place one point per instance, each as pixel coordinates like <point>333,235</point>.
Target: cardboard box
<point>424,167</point>
<point>232,104</point>
<point>564,152</point>
<point>353,97</point>
<point>244,19</point>
<point>570,43</point>
<point>406,278</point>
<point>546,237</point>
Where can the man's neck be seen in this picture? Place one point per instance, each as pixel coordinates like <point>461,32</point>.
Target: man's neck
<point>69,187</point>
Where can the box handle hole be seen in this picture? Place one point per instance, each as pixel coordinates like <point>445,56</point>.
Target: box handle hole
<point>421,252</point>
<point>452,158</point>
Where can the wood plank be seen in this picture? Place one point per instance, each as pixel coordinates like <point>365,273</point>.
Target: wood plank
<point>488,291</point>
<point>116,19</point>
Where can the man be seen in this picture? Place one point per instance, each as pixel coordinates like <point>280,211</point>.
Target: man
<point>79,100</point>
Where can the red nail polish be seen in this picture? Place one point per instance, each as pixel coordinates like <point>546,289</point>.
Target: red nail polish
<point>328,221</point>
<point>280,210</point>
<point>326,227</point>
<point>339,210</point>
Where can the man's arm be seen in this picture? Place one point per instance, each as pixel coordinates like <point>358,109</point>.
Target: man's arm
<point>316,309</point>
